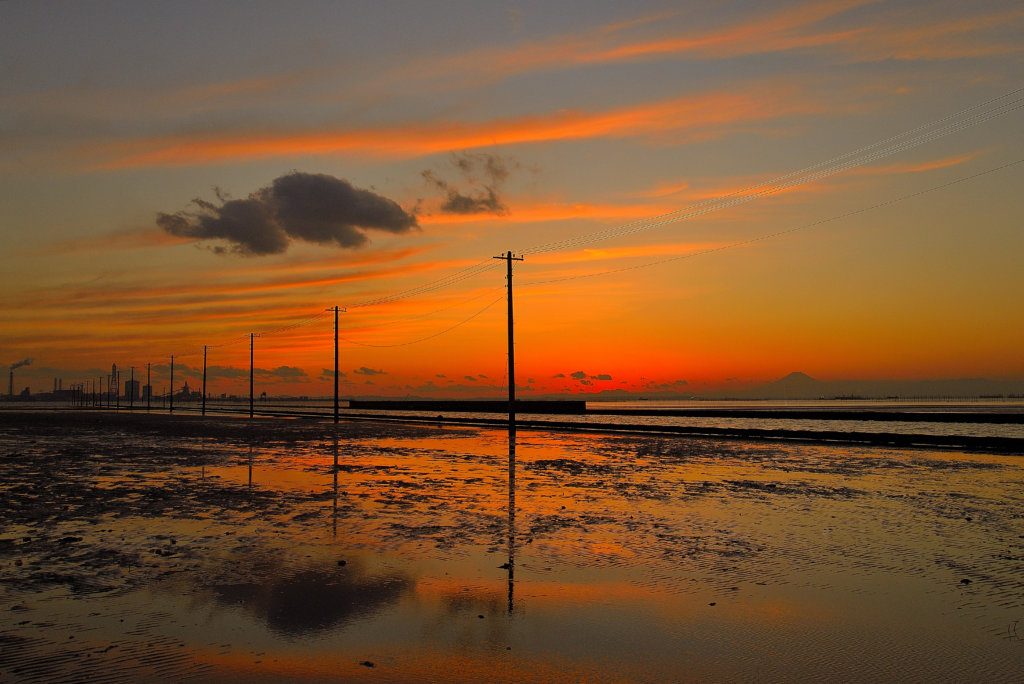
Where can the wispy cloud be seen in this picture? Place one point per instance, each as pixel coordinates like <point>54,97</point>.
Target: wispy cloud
<point>697,115</point>
<point>882,33</point>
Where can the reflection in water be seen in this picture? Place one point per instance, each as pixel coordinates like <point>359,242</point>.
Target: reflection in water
<point>334,514</point>
<point>317,598</point>
<point>511,513</point>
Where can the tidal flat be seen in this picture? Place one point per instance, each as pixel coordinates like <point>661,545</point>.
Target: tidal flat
<point>138,548</point>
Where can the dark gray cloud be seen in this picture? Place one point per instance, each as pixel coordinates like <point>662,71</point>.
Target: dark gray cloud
<point>312,207</point>
<point>281,373</point>
<point>671,385</point>
<point>363,370</point>
<point>481,177</point>
<point>585,378</point>
<point>470,378</point>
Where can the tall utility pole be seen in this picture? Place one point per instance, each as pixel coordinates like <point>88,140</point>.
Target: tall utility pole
<point>131,395</point>
<point>172,384</point>
<point>252,336</point>
<point>204,379</point>
<point>509,258</point>
<point>336,311</point>
<point>149,386</point>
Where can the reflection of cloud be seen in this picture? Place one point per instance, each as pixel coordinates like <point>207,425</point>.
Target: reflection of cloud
<point>314,599</point>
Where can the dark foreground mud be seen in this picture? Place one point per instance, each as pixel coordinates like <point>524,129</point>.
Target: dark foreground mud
<point>140,548</point>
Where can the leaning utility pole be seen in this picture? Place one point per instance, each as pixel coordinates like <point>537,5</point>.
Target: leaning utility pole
<point>252,336</point>
<point>509,258</point>
<point>204,379</point>
<point>336,311</point>
<point>172,385</point>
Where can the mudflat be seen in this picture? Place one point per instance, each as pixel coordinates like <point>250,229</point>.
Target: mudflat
<point>154,547</point>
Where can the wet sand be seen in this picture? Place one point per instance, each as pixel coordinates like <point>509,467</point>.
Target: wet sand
<point>142,548</point>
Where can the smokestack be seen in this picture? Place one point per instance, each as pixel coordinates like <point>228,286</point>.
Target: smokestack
<point>19,364</point>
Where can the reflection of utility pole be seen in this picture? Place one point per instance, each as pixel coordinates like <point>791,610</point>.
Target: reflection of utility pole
<point>509,258</point>
<point>336,310</point>
<point>204,379</point>
<point>511,515</point>
<point>252,336</point>
<point>171,397</point>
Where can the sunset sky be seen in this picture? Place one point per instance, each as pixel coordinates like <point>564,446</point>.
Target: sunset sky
<point>183,174</point>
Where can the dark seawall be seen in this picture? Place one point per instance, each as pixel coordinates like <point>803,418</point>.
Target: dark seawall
<point>457,406</point>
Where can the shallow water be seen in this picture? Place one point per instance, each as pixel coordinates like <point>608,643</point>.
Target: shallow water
<point>221,551</point>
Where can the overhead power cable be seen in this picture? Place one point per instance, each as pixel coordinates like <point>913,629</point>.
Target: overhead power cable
<point>953,123</point>
<point>428,337</point>
<point>769,236</point>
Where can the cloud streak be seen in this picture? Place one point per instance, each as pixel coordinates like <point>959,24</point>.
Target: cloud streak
<point>314,208</point>
<point>692,115</point>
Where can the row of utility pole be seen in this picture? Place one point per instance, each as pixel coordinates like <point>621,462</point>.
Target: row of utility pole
<point>114,378</point>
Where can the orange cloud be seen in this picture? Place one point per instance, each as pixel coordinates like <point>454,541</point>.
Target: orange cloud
<point>523,212</point>
<point>117,241</point>
<point>692,114</point>
<point>772,32</point>
<point>610,253</point>
<point>918,167</point>
<point>943,40</point>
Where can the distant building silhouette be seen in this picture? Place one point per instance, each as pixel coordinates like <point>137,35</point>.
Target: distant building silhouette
<point>131,389</point>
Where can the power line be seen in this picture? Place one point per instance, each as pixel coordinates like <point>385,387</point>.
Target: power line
<point>897,143</point>
<point>769,236</point>
<point>428,337</point>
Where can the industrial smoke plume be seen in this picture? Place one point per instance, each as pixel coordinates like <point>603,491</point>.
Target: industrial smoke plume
<point>19,364</point>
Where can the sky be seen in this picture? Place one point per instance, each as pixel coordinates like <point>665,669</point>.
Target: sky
<point>706,195</point>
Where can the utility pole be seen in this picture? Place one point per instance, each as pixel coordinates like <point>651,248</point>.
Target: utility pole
<point>509,258</point>
<point>171,394</point>
<point>252,336</point>
<point>131,395</point>
<point>336,310</point>
<point>204,379</point>
<point>149,385</point>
